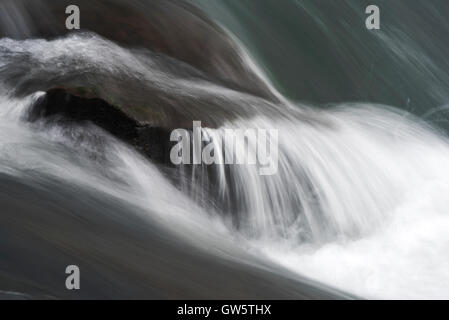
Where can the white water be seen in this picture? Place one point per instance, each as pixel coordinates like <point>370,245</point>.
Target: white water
<point>359,202</point>
<point>382,187</point>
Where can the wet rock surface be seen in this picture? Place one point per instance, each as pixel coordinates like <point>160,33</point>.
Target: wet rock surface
<point>171,27</point>
<point>61,106</point>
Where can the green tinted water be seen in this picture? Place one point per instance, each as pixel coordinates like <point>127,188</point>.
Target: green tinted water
<point>320,51</point>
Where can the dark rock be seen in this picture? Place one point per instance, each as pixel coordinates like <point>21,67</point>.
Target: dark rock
<point>172,27</point>
<point>153,142</point>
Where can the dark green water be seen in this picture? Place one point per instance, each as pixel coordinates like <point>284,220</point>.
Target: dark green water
<point>319,51</point>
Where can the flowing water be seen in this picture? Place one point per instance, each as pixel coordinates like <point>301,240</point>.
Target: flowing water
<point>359,201</point>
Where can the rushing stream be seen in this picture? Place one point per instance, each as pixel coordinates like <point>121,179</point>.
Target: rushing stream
<point>359,200</point>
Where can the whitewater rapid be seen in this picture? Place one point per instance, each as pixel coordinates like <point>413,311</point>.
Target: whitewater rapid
<point>359,201</point>
<point>382,183</point>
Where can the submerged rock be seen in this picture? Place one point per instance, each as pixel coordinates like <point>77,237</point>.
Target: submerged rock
<point>62,106</point>
<point>154,66</point>
<point>171,27</point>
